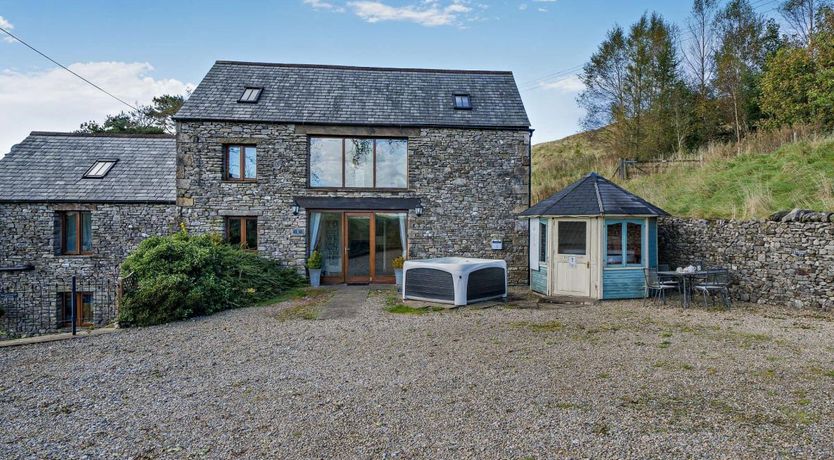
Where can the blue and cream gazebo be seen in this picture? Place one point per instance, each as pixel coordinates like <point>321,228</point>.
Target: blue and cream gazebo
<point>592,239</point>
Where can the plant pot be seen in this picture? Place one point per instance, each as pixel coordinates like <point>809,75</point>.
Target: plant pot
<point>315,277</point>
<point>398,275</point>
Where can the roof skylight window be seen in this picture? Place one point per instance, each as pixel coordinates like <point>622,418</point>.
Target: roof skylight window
<point>251,94</point>
<point>99,169</point>
<point>463,102</point>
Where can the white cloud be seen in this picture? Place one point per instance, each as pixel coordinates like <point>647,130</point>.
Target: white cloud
<point>430,13</point>
<point>55,100</point>
<point>522,7</point>
<point>324,5</point>
<point>4,23</point>
<point>571,84</point>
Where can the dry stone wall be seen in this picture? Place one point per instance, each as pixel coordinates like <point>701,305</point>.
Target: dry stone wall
<point>778,263</point>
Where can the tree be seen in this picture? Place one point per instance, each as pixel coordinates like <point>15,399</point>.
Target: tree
<point>745,40</point>
<point>798,84</point>
<point>630,84</point>
<point>699,69</point>
<point>149,119</point>
<point>801,16</point>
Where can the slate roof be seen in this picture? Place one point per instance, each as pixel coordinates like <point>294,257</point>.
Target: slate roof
<point>594,195</point>
<point>340,95</point>
<point>48,167</point>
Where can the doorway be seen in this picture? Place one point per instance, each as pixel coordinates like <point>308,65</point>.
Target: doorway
<point>357,247</point>
<point>573,264</point>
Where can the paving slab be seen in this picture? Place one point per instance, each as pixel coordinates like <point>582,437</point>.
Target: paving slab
<point>345,302</point>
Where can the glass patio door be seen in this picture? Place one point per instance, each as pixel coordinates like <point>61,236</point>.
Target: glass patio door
<point>358,247</point>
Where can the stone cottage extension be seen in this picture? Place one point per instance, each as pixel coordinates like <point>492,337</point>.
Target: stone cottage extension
<point>358,163</point>
<point>77,204</point>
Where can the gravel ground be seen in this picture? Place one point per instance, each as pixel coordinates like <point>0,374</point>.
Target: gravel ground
<point>608,380</point>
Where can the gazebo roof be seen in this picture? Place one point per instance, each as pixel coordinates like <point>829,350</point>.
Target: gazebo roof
<point>593,195</point>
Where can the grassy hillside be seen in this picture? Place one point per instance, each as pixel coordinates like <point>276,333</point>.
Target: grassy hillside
<point>558,163</point>
<point>762,179</point>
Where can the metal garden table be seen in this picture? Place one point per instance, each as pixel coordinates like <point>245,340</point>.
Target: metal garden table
<point>687,280</point>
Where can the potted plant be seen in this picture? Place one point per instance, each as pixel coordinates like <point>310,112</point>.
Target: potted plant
<point>314,265</point>
<point>398,269</point>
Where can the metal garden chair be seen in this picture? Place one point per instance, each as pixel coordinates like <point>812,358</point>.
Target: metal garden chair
<point>655,287</point>
<point>716,282</point>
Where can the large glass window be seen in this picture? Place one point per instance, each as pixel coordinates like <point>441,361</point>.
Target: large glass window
<point>76,232</point>
<point>358,162</point>
<point>243,232</point>
<point>389,241</point>
<point>240,162</point>
<point>326,238</point>
<point>325,162</point>
<point>572,238</point>
<point>391,155</point>
<point>625,243</point>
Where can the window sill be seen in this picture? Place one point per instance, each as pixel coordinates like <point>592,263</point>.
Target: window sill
<point>358,189</point>
<point>76,256</point>
<point>239,181</point>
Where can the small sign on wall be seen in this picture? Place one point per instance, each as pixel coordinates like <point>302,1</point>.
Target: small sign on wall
<point>572,261</point>
<point>298,232</point>
<point>497,245</point>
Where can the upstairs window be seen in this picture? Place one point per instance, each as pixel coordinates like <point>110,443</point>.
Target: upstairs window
<point>76,232</point>
<point>251,94</point>
<point>358,163</point>
<point>240,163</point>
<point>242,232</point>
<point>99,169</point>
<point>463,102</point>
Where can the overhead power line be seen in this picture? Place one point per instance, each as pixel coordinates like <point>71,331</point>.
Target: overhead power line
<point>541,82</point>
<point>67,69</point>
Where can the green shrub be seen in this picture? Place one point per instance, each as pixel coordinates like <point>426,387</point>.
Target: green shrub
<point>181,276</point>
<point>314,262</point>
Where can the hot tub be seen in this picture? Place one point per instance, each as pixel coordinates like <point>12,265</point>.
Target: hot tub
<point>454,280</point>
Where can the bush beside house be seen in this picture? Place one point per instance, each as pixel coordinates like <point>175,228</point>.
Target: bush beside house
<point>182,276</point>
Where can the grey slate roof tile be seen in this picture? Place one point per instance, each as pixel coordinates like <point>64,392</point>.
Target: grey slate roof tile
<point>593,195</point>
<point>50,167</point>
<point>319,94</point>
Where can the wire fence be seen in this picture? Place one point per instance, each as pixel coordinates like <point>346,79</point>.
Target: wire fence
<point>30,306</point>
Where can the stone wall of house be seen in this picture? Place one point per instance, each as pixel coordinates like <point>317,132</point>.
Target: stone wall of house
<point>28,236</point>
<point>776,263</point>
<point>472,184</point>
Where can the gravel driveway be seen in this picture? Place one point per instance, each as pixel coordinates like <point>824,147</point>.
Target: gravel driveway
<point>609,380</point>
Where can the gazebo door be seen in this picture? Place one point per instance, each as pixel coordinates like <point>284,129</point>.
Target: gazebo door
<point>572,258</point>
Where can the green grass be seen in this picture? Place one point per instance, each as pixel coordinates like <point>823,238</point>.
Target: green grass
<point>549,326</point>
<point>752,185</point>
<point>393,305</point>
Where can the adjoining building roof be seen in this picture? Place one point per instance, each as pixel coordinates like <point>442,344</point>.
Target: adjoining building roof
<point>340,95</point>
<point>593,195</point>
<point>50,167</point>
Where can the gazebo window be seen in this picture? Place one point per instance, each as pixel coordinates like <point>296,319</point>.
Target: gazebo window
<point>624,243</point>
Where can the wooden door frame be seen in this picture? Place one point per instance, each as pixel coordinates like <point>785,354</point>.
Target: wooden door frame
<point>373,277</point>
<point>345,237</point>
<point>556,254</point>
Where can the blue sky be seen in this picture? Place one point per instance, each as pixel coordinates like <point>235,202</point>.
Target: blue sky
<point>139,49</point>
